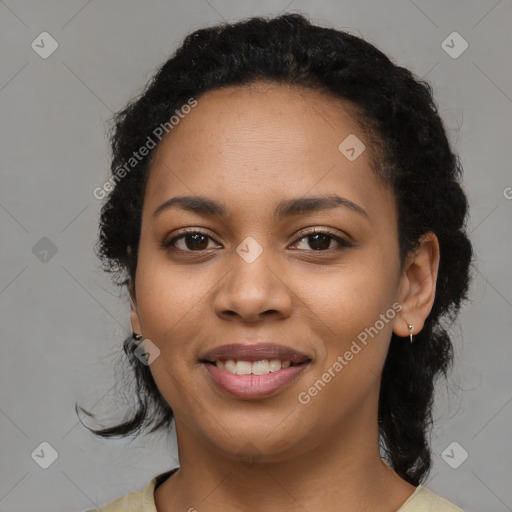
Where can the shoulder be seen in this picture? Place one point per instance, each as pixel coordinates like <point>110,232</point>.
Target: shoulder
<point>141,501</point>
<point>424,500</point>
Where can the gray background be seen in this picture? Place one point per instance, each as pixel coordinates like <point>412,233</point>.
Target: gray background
<point>63,320</point>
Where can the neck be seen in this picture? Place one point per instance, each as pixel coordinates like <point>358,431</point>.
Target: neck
<point>344,473</point>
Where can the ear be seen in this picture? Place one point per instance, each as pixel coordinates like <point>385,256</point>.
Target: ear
<point>134,315</point>
<point>418,286</point>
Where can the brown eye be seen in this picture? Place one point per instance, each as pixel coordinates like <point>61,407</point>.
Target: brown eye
<point>320,241</point>
<point>191,241</point>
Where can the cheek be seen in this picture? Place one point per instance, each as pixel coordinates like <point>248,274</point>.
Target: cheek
<point>355,341</point>
<point>169,301</point>
<point>352,297</point>
<point>354,306</point>
<point>168,304</point>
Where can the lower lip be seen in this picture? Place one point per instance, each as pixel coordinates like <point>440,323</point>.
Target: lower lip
<point>253,386</point>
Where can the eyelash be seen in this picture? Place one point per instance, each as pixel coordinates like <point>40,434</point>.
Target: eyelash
<point>193,231</point>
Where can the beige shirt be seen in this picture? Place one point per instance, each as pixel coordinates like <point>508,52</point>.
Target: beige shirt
<point>421,500</point>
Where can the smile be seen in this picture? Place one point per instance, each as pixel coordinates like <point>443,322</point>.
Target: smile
<point>244,372</point>
<point>262,367</point>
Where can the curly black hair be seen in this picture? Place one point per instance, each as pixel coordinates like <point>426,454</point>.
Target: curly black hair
<point>410,151</point>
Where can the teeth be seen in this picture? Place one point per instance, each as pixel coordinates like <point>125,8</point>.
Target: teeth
<point>229,365</point>
<point>262,367</point>
<point>243,367</point>
<point>275,365</point>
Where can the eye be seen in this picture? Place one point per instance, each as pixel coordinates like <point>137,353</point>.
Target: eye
<point>320,240</point>
<point>191,240</point>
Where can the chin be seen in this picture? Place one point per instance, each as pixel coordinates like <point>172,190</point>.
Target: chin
<point>253,443</point>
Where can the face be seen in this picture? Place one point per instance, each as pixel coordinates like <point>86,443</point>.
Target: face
<point>311,286</point>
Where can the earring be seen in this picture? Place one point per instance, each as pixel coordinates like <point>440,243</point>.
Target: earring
<point>136,336</point>
<point>411,328</point>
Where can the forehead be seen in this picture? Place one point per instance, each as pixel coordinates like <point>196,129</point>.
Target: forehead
<point>273,115</point>
<point>258,143</point>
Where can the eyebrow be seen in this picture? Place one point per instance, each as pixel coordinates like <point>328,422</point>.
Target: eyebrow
<point>290,207</point>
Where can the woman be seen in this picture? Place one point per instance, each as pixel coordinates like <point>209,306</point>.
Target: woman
<point>286,213</point>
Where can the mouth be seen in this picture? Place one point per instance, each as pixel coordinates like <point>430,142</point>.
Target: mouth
<point>261,367</point>
<point>254,371</point>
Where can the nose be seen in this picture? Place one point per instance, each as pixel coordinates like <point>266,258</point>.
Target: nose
<point>251,291</point>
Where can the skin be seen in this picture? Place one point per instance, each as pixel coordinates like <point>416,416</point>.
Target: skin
<point>251,147</point>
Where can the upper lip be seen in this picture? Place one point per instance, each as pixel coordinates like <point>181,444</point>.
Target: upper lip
<point>255,352</point>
